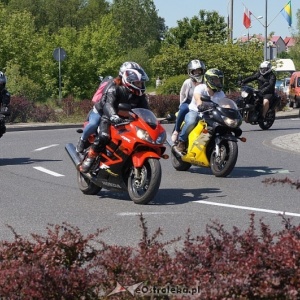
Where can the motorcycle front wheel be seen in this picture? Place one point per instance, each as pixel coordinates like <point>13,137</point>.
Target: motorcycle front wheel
<point>86,186</point>
<point>268,121</point>
<point>223,164</point>
<point>143,189</point>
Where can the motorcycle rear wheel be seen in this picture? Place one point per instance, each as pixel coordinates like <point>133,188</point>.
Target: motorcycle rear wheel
<point>144,190</point>
<point>86,186</point>
<point>223,165</point>
<point>178,164</point>
<point>269,120</point>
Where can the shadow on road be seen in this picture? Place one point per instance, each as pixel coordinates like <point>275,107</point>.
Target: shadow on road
<point>22,161</point>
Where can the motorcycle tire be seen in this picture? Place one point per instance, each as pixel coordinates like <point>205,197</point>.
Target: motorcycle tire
<point>222,166</point>
<point>144,190</point>
<point>268,121</point>
<point>178,164</point>
<point>86,186</point>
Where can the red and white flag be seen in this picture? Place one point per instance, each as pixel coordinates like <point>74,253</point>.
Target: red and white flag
<point>246,18</point>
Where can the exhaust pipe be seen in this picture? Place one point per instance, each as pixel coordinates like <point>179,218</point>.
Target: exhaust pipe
<point>75,157</point>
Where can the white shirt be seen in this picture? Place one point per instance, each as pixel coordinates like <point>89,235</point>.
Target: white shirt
<point>202,90</point>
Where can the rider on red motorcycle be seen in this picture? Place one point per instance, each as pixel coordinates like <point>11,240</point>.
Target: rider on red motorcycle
<point>128,89</point>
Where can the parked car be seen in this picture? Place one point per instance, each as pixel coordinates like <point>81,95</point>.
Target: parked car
<point>283,86</point>
<point>294,90</point>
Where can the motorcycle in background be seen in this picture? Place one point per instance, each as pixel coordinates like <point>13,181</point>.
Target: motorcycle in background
<point>250,104</point>
<point>213,142</point>
<point>4,112</point>
<point>131,161</point>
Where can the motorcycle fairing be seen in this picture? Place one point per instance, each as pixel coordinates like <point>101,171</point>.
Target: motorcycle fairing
<point>198,140</point>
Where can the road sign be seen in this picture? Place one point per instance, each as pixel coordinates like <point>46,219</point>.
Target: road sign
<point>59,54</point>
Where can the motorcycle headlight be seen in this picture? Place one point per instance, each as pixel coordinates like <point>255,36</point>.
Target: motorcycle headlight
<point>244,94</point>
<point>232,122</point>
<point>144,135</point>
<point>161,138</point>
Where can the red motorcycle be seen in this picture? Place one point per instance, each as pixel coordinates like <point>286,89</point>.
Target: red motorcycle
<point>131,160</point>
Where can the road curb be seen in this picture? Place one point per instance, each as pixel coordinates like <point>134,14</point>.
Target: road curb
<point>295,113</point>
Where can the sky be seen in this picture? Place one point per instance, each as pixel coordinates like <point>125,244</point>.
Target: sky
<point>174,10</point>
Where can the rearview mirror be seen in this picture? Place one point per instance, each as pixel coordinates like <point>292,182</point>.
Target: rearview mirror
<point>205,98</point>
<point>124,109</point>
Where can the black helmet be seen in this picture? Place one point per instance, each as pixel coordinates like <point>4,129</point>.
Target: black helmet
<point>2,81</point>
<point>214,79</point>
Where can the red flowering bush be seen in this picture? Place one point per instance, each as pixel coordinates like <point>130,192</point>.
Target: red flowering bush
<point>64,264</point>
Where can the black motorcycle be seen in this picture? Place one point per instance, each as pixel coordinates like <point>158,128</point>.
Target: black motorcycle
<point>4,112</point>
<point>213,141</point>
<point>250,104</point>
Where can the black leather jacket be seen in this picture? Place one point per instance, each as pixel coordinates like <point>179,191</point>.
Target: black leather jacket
<point>116,94</point>
<point>266,83</point>
<point>4,97</point>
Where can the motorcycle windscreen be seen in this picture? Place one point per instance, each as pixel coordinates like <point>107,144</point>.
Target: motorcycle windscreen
<point>147,115</point>
<point>227,103</point>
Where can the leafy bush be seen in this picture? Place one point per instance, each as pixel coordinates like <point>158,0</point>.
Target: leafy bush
<point>43,113</point>
<point>171,85</point>
<point>72,107</point>
<point>64,264</point>
<point>162,105</point>
<point>21,109</point>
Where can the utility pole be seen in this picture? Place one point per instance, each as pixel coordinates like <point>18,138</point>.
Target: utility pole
<point>266,31</point>
<point>231,21</point>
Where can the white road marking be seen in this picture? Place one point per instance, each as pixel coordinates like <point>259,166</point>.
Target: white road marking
<point>48,172</point>
<point>43,148</point>
<point>145,213</point>
<point>249,208</point>
<point>272,171</point>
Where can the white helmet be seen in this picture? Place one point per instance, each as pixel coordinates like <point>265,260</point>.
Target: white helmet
<point>196,70</point>
<point>265,67</point>
<point>128,65</point>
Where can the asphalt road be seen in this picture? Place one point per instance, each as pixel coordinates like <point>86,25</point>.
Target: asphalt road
<point>38,187</point>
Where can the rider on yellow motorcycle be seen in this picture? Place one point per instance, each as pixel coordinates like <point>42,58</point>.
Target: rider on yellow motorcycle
<point>214,80</point>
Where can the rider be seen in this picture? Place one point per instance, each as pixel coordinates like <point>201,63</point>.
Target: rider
<point>130,88</point>
<point>196,70</point>
<point>4,102</point>
<point>93,121</point>
<point>94,115</point>
<point>266,80</point>
<point>213,84</point>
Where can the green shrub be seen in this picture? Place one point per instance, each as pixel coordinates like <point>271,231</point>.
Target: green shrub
<point>171,85</point>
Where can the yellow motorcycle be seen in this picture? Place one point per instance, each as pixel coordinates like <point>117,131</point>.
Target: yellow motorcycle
<point>213,141</point>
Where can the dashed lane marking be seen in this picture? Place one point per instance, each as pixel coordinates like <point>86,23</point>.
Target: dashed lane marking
<point>48,172</point>
<point>46,147</point>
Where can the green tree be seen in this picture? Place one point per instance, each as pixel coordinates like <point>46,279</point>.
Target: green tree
<point>56,14</point>
<point>209,26</point>
<point>138,22</point>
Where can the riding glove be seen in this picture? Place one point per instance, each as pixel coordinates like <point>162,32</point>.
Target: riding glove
<point>116,119</point>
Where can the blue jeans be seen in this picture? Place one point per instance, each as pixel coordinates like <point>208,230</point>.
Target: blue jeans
<point>94,121</point>
<point>183,110</point>
<point>190,122</point>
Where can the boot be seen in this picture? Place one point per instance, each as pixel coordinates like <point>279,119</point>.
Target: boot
<point>174,136</point>
<point>81,145</point>
<point>88,161</point>
<point>180,147</point>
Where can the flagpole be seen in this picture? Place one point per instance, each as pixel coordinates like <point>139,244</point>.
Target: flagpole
<point>266,31</point>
